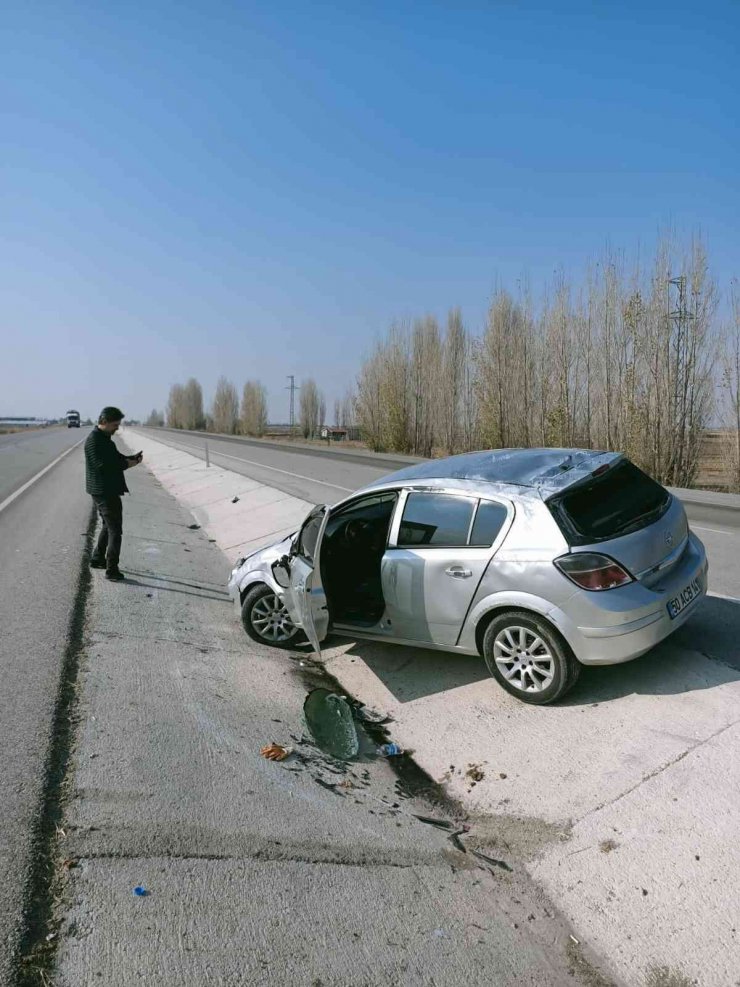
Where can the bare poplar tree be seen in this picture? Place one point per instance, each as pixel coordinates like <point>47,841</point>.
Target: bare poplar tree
<point>193,405</point>
<point>254,408</point>
<point>225,408</point>
<point>454,354</point>
<point>309,408</point>
<point>369,402</point>
<point>176,407</point>
<point>470,418</point>
<point>426,353</point>
<point>395,373</point>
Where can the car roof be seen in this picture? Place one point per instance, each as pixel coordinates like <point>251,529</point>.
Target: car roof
<point>528,472</point>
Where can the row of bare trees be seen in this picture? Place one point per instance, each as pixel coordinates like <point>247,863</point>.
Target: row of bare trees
<point>227,416</point>
<point>625,360</point>
<point>631,358</point>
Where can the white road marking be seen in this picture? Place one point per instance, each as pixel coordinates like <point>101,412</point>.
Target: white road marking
<point>9,500</point>
<point>723,596</point>
<point>717,531</point>
<point>253,462</point>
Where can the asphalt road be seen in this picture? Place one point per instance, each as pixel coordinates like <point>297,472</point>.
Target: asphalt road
<point>42,536</point>
<point>24,454</point>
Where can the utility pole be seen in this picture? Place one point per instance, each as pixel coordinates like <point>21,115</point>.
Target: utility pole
<point>292,388</point>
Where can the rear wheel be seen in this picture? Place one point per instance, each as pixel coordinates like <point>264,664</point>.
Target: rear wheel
<point>529,658</point>
<point>266,619</point>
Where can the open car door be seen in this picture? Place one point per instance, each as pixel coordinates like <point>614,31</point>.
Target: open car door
<point>300,576</point>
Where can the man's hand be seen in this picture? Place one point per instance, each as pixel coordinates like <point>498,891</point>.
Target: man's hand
<point>135,460</point>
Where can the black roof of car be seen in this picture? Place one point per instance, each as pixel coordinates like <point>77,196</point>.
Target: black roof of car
<point>549,470</point>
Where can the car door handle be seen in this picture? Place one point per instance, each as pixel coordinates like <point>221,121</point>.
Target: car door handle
<point>457,572</point>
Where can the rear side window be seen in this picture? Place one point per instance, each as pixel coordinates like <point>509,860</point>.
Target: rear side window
<point>624,499</point>
<point>488,522</point>
<point>436,519</point>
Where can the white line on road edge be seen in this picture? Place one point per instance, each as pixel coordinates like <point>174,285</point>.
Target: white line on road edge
<point>252,462</point>
<point>9,500</point>
<point>723,596</point>
<point>717,531</point>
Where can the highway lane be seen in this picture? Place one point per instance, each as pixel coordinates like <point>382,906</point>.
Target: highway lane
<point>318,475</point>
<point>42,540</point>
<point>24,454</point>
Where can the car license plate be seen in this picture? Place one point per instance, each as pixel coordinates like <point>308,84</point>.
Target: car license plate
<point>687,595</point>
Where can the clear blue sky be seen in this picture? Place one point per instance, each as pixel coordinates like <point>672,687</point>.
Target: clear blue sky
<point>260,189</point>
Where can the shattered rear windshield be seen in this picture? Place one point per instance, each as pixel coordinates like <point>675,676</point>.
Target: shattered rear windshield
<point>622,500</point>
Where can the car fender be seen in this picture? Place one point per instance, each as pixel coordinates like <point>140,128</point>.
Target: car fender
<point>259,575</point>
<point>510,600</point>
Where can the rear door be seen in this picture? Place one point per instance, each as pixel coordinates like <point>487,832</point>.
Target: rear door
<point>626,515</point>
<point>305,598</point>
<point>440,546</point>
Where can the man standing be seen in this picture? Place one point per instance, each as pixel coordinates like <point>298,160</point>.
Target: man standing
<point>104,466</point>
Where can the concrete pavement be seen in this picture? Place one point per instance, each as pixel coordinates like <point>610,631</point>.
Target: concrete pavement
<point>308,872</point>
<point>602,792</point>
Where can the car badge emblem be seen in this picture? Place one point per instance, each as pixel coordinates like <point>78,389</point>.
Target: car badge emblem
<point>668,538</point>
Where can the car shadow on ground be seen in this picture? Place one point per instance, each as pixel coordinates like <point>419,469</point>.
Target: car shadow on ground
<point>703,654</point>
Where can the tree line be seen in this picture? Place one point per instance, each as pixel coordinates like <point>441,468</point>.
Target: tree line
<point>631,357</point>
<point>227,415</point>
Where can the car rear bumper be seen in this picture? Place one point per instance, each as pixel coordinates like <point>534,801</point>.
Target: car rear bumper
<point>634,635</point>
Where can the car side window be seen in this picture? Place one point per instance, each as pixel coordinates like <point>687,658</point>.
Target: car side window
<point>489,520</point>
<point>436,520</point>
<point>309,533</point>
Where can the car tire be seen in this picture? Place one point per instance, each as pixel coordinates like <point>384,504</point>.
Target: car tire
<point>536,673</point>
<point>260,611</point>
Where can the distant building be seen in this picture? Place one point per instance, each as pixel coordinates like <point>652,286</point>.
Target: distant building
<point>333,433</point>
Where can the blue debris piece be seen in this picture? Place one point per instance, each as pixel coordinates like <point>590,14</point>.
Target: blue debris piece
<point>140,892</point>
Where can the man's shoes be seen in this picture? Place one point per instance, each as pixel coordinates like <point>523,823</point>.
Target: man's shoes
<point>97,563</point>
<point>115,575</point>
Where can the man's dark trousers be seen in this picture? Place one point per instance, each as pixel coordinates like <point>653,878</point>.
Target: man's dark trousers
<point>109,542</point>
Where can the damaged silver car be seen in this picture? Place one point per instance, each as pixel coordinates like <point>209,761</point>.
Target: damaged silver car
<point>539,560</point>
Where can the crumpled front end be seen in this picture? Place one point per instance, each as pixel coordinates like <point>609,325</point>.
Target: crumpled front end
<point>257,568</point>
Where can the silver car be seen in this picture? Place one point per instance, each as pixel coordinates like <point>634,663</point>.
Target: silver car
<point>540,560</point>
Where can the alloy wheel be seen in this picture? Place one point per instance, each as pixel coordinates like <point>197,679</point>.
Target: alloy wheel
<point>271,620</point>
<point>523,659</point>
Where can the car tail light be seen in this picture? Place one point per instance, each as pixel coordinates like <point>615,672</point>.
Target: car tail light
<point>593,571</point>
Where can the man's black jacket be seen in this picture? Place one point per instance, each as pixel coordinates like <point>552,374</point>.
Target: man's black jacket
<point>104,465</point>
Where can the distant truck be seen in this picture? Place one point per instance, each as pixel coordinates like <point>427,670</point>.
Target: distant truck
<point>73,419</point>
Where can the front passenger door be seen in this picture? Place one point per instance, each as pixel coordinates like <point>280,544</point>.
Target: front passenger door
<point>305,598</point>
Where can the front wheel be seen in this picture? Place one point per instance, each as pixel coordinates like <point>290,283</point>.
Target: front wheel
<point>529,658</point>
<point>266,620</point>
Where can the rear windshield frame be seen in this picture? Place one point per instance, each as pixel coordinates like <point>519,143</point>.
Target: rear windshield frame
<point>624,471</point>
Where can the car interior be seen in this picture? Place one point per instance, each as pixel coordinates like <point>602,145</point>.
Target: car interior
<point>351,553</point>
